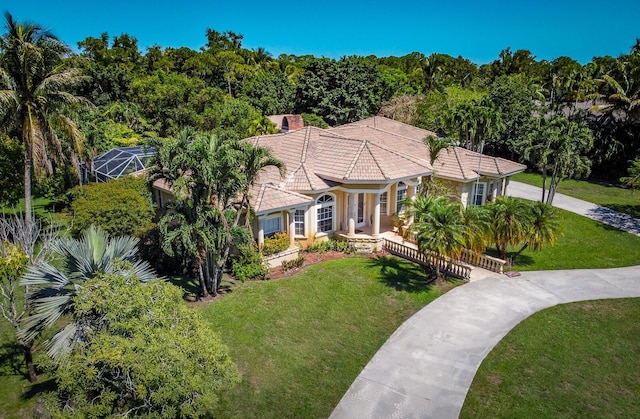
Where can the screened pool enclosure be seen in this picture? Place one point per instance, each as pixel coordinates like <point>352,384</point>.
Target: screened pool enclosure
<point>119,162</point>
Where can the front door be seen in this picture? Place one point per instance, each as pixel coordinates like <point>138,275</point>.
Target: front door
<point>360,218</point>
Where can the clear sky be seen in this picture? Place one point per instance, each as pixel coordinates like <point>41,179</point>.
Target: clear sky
<point>477,30</point>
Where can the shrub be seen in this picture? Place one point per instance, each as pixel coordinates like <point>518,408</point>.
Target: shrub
<point>147,355</point>
<point>118,207</point>
<point>325,246</point>
<point>249,264</point>
<point>275,244</point>
<point>292,264</point>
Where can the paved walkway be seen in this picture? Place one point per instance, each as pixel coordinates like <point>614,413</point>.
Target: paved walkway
<point>426,367</point>
<point>604,215</point>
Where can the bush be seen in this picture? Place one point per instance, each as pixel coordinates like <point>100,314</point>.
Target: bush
<point>249,264</point>
<point>147,355</point>
<point>325,246</point>
<point>277,243</point>
<point>119,207</point>
<point>292,264</point>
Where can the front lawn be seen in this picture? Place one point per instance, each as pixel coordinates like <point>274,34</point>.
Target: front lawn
<point>576,360</point>
<point>301,341</point>
<point>585,244</point>
<point>604,194</point>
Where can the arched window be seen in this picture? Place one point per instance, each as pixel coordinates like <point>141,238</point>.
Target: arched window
<point>326,209</point>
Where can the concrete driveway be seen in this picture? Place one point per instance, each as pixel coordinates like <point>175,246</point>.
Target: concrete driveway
<point>426,367</point>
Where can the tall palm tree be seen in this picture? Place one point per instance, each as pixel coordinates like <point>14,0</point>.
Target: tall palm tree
<point>36,84</point>
<point>54,288</point>
<point>211,180</point>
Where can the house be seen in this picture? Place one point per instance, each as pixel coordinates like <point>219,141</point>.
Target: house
<point>349,181</point>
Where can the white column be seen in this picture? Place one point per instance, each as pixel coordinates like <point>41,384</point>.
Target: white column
<point>351,214</point>
<point>376,215</point>
<point>260,233</point>
<point>292,228</point>
<point>506,183</point>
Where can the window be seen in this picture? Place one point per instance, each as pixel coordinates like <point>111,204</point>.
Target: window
<point>492,187</point>
<point>271,226</point>
<point>478,194</point>
<point>325,210</point>
<point>383,203</point>
<point>298,220</point>
<point>401,195</point>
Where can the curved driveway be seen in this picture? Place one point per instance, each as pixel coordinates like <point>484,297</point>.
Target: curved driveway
<point>426,367</point>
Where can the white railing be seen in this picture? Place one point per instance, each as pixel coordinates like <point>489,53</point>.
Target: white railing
<point>483,261</point>
<point>430,259</point>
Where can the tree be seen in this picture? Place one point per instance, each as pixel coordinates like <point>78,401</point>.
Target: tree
<point>54,288</point>
<point>148,354</point>
<point>633,180</point>
<point>36,86</point>
<point>476,122</point>
<point>17,250</point>
<point>262,126</point>
<point>544,227</point>
<point>119,207</point>
<point>339,91</point>
<point>11,154</point>
<point>211,179</point>
<point>558,148</point>
<point>511,221</point>
<point>513,98</point>
<point>270,91</point>
<point>440,230</point>
<point>476,220</point>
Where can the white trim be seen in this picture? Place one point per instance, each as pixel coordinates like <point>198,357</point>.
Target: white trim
<point>320,205</point>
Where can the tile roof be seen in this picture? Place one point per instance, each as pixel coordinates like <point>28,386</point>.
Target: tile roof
<point>376,149</point>
<point>269,197</point>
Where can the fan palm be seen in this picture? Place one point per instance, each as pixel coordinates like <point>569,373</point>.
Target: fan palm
<point>54,288</point>
<point>36,85</point>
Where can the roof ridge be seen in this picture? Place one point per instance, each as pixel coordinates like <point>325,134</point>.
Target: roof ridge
<point>375,160</point>
<point>306,174</point>
<point>355,159</point>
<point>305,146</point>
<point>403,155</point>
<point>462,168</point>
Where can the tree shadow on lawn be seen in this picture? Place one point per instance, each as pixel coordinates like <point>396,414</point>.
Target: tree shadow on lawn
<point>11,360</point>
<point>402,275</point>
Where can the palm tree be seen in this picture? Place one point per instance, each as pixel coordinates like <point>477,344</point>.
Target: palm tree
<point>441,230</point>
<point>54,288</point>
<point>36,84</point>
<point>511,223</point>
<point>211,180</point>
<point>477,227</point>
<point>544,227</point>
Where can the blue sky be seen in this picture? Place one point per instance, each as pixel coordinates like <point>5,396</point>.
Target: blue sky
<point>477,30</point>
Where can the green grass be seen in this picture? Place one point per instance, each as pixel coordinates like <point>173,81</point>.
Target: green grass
<point>577,361</point>
<point>301,341</point>
<point>44,209</point>
<point>586,244</point>
<point>604,194</point>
